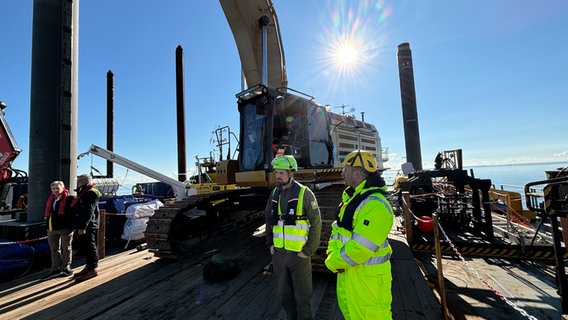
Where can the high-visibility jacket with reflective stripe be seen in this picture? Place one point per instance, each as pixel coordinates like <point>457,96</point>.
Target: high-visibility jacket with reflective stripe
<point>367,243</point>
<point>291,237</point>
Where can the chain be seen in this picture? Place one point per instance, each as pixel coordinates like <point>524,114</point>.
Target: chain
<point>502,297</point>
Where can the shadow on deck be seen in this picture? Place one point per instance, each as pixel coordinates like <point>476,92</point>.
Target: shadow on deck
<point>136,285</point>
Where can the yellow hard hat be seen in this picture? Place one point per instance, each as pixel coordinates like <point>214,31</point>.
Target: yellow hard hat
<point>289,119</point>
<point>363,159</point>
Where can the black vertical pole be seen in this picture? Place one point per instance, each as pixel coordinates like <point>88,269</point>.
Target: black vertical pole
<point>110,121</point>
<point>409,113</point>
<point>53,100</point>
<point>182,175</point>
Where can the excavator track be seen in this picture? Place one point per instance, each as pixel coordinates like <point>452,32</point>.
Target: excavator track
<point>179,229</point>
<point>183,227</point>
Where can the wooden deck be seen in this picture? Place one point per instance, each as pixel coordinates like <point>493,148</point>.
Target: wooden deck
<point>135,285</point>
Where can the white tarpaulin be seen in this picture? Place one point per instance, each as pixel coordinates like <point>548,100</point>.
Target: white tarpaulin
<point>137,217</point>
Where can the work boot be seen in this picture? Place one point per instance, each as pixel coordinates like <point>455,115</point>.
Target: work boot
<point>67,272</point>
<point>80,273</point>
<point>90,274</point>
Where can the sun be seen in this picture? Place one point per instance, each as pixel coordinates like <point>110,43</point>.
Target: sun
<point>346,56</point>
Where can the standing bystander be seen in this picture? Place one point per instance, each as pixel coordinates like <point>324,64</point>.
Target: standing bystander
<point>293,227</point>
<point>59,231</point>
<point>85,211</point>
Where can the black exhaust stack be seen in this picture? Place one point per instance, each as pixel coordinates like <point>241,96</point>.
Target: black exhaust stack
<point>180,103</point>
<point>110,121</point>
<point>409,113</point>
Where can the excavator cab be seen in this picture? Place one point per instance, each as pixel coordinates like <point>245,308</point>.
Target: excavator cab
<point>275,122</point>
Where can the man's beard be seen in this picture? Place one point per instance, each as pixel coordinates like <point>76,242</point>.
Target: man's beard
<point>283,183</point>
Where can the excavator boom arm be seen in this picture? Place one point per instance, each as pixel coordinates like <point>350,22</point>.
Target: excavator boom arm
<point>244,17</point>
<point>180,188</point>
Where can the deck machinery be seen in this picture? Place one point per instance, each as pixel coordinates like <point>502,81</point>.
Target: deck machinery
<point>466,208</point>
<point>552,207</point>
<point>461,201</point>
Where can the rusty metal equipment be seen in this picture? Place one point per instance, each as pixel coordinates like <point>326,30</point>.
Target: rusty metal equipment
<point>461,200</point>
<point>552,205</point>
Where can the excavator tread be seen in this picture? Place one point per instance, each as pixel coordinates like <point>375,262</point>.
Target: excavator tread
<point>190,214</point>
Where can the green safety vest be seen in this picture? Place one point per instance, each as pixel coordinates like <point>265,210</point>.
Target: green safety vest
<point>291,228</point>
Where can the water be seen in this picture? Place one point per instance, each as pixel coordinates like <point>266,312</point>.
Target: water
<point>511,176</point>
<point>516,175</point>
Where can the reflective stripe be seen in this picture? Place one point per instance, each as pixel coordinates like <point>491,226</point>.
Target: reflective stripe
<point>346,257</point>
<point>377,260</point>
<point>365,242</point>
<point>293,237</point>
<point>383,201</point>
<point>371,261</point>
<point>340,237</point>
<point>361,240</point>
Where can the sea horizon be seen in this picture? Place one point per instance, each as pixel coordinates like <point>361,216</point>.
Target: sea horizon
<point>507,176</point>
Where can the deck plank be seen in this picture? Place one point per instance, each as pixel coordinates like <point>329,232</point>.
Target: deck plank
<point>412,298</point>
<point>136,285</point>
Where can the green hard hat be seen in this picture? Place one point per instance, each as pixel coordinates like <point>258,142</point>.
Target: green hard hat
<point>285,162</point>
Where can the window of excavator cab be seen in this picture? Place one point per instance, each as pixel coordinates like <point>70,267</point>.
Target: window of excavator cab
<point>251,146</point>
<point>320,145</point>
<point>290,128</point>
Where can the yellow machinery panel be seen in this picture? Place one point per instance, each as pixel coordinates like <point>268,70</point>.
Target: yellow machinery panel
<point>226,170</point>
<point>513,201</point>
<point>251,178</point>
<point>204,188</point>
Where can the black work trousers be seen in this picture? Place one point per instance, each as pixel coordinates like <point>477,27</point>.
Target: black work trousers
<point>294,283</point>
<point>89,246</point>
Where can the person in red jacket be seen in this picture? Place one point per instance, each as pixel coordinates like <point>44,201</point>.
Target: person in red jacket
<point>59,232</point>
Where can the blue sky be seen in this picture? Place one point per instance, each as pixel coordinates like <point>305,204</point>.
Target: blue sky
<point>490,76</point>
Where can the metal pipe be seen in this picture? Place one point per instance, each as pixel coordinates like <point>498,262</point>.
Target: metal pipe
<point>182,170</point>
<point>263,22</point>
<point>110,121</point>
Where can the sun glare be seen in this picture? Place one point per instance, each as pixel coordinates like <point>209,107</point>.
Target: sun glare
<point>351,42</point>
<point>346,56</point>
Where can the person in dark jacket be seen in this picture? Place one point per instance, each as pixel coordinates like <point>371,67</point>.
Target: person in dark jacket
<point>59,231</point>
<point>85,212</point>
<point>293,228</point>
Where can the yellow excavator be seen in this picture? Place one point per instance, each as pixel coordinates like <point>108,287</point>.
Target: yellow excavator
<point>274,119</point>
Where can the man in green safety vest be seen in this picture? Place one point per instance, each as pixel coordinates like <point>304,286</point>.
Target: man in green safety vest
<point>293,227</point>
<point>358,249</point>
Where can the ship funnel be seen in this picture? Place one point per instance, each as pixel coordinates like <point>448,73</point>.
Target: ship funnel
<point>409,113</point>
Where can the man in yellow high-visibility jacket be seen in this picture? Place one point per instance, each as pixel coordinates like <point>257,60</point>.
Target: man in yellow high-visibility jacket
<point>358,249</point>
<point>293,227</point>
